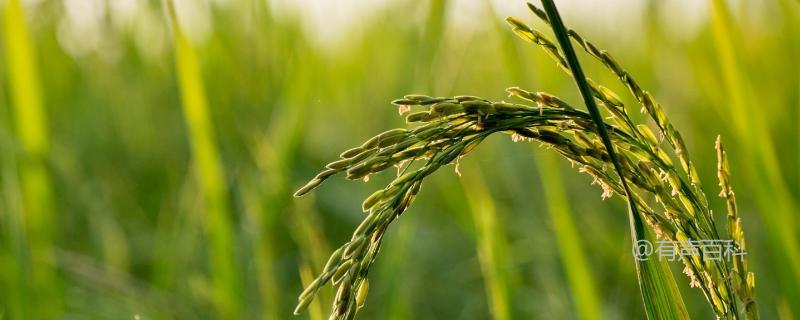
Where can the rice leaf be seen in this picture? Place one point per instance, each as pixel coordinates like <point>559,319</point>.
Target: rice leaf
<point>491,243</point>
<point>209,172</point>
<point>35,183</point>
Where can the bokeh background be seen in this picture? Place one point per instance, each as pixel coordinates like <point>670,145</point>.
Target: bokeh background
<point>147,169</point>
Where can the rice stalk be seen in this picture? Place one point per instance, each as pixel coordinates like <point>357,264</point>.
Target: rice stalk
<point>399,292</point>
<point>426,41</point>
<point>12,235</point>
<point>309,236</point>
<point>209,172</point>
<point>491,244</point>
<point>32,134</point>
<point>450,127</point>
<point>262,251</point>
<point>573,257</point>
<point>306,278</point>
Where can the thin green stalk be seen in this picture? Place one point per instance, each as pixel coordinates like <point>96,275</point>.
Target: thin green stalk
<point>491,243</point>
<point>12,235</point>
<point>573,258</point>
<point>428,44</point>
<point>510,55</point>
<point>398,292</point>
<point>277,153</point>
<point>262,251</point>
<point>662,300</point>
<point>312,243</point>
<point>306,277</point>
<point>32,134</point>
<point>210,174</point>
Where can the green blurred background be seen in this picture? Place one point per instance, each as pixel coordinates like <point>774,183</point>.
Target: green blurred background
<point>147,169</point>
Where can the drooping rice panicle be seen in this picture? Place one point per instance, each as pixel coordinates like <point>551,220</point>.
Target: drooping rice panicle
<point>450,127</point>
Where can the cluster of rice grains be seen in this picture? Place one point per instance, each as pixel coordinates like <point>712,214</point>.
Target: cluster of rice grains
<point>449,128</point>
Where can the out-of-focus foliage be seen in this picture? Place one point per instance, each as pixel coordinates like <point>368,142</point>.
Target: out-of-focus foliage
<point>290,84</point>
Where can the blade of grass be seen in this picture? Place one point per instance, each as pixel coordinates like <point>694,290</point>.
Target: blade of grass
<point>209,173</point>
<point>12,236</point>
<point>31,128</point>
<point>310,238</point>
<point>573,258</point>
<point>510,55</point>
<point>661,298</point>
<point>306,276</point>
<point>491,243</point>
<point>278,152</point>
<point>262,251</point>
<point>398,292</point>
<point>428,44</point>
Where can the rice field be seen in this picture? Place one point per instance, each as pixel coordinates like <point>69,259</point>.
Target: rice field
<point>152,152</point>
